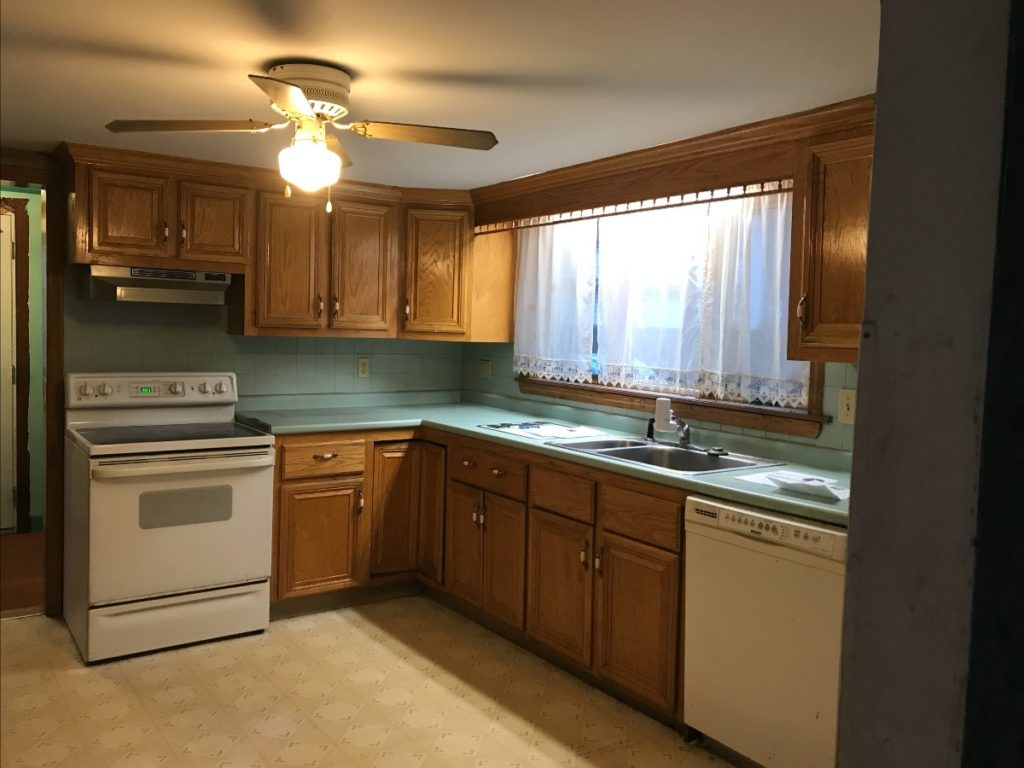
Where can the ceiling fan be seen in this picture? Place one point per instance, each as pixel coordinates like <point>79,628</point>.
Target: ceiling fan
<point>312,97</point>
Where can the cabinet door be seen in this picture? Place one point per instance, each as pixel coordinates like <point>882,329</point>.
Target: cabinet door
<point>560,583</point>
<point>504,559</point>
<point>130,214</point>
<point>636,618</point>
<point>431,498</point>
<point>214,222</point>
<point>362,293</point>
<point>395,493</point>
<point>831,189</point>
<point>435,267</point>
<point>317,537</point>
<point>463,568</point>
<point>291,260</point>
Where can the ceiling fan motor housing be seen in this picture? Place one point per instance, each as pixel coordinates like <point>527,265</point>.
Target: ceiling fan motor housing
<point>326,88</point>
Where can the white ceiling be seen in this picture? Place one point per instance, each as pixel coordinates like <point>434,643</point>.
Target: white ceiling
<point>558,81</point>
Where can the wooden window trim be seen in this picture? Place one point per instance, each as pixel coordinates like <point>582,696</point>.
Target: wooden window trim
<point>784,421</point>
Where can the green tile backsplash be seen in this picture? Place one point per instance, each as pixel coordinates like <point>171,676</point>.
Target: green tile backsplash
<point>107,336</point>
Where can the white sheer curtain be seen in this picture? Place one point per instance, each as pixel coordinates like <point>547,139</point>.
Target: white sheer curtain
<point>554,335</point>
<point>651,274</point>
<point>689,300</point>
<point>745,304</point>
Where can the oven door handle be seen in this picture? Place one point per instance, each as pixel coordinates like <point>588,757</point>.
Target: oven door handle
<point>115,472</point>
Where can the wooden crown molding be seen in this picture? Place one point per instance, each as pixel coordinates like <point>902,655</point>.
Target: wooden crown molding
<point>744,154</point>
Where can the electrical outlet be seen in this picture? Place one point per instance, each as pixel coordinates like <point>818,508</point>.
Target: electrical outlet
<point>485,370</point>
<point>847,405</point>
<point>362,367</point>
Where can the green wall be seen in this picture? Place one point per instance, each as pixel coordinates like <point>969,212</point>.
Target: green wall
<point>37,349</point>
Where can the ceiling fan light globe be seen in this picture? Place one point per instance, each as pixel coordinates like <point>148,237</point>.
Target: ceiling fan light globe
<point>309,165</point>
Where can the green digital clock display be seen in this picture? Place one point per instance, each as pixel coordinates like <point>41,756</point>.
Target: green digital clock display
<point>146,390</point>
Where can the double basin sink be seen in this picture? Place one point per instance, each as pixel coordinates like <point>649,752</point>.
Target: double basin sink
<point>686,460</point>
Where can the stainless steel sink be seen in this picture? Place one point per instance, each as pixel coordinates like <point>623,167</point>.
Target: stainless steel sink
<point>691,461</point>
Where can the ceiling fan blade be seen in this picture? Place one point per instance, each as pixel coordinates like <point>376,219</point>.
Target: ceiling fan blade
<point>425,134</point>
<point>288,97</point>
<point>146,126</point>
<point>335,146</point>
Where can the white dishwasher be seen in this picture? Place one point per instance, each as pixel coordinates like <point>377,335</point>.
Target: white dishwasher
<point>762,633</point>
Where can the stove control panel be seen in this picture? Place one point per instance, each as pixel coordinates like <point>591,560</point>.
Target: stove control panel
<point>132,390</point>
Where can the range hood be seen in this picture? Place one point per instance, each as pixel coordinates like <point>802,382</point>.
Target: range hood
<point>164,286</point>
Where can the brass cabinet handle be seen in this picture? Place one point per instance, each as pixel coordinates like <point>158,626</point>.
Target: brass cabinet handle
<point>408,309</point>
<point>476,518</point>
<point>184,234</point>
<point>469,464</point>
<point>167,231</point>
<point>325,456</point>
<point>361,502</point>
<point>319,305</point>
<point>483,521</point>
<point>499,472</point>
<point>597,560</point>
<point>583,553</point>
<point>337,306</point>
<point>801,311</point>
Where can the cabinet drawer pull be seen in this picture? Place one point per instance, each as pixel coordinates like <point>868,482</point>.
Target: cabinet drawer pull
<point>325,456</point>
<point>499,472</point>
<point>597,560</point>
<point>801,311</point>
<point>583,553</point>
<point>468,463</point>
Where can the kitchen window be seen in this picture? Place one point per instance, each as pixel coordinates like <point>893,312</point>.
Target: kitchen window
<point>688,301</point>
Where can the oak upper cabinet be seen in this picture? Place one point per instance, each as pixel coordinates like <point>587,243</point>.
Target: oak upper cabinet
<point>318,534</point>
<point>140,210</point>
<point>435,272</point>
<point>214,222</point>
<point>291,261</point>
<point>831,190</point>
<point>364,279</point>
<point>320,530</point>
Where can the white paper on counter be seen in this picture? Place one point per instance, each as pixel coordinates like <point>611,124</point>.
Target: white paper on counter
<point>791,481</point>
<point>543,430</point>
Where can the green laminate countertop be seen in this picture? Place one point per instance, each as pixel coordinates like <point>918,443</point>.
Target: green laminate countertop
<point>466,418</point>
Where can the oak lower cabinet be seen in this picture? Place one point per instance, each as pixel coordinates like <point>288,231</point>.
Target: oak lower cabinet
<point>560,584</point>
<point>831,189</point>
<point>317,545</point>
<point>485,551</point>
<point>408,503</point>
<point>636,614</point>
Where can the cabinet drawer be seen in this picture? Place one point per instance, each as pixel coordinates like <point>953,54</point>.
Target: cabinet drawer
<point>334,457</point>
<point>565,494</point>
<point>488,470</point>
<point>639,516</point>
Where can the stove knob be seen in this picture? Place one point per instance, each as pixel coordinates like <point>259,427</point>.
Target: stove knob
<point>204,388</point>
<point>221,388</point>
<point>86,390</point>
<point>177,388</point>
<point>106,390</point>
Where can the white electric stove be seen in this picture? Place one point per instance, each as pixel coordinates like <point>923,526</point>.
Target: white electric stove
<point>168,512</point>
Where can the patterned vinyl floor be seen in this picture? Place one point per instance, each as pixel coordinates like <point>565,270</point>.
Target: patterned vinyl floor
<point>400,683</point>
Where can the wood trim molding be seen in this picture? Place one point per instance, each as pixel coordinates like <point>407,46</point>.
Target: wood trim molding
<point>741,155</point>
<point>779,420</point>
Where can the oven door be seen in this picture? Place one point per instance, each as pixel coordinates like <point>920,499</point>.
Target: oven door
<point>166,523</point>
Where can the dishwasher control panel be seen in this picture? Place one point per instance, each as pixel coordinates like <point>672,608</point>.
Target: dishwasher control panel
<point>757,524</point>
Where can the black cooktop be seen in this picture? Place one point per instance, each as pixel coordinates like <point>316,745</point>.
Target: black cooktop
<point>163,433</point>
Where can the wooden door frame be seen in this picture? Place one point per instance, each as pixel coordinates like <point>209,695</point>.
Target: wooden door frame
<point>26,169</point>
<point>23,501</point>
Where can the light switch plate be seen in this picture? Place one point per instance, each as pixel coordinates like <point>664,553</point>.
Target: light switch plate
<point>847,405</point>
<point>362,367</point>
<point>485,370</point>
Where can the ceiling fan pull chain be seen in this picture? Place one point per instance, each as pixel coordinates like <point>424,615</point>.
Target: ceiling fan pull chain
<point>329,206</point>
<point>287,190</point>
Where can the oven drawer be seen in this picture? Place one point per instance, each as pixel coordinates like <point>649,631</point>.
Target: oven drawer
<point>487,470</point>
<point>320,459</point>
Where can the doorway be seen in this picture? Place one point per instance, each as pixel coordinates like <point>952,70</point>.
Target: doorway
<point>22,397</point>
